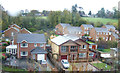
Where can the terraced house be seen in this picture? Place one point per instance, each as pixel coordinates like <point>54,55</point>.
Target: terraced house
<point>73,31</point>
<point>71,48</point>
<point>100,33</point>
<point>86,28</point>
<point>61,27</point>
<point>31,46</point>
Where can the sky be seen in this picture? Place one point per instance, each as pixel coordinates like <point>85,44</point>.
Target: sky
<point>13,6</point>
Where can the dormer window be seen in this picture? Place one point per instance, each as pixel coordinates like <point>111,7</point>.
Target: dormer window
<point>41,44</point>
<point>24,45</point>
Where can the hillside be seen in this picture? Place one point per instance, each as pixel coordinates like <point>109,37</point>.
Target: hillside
<point>102,20</point>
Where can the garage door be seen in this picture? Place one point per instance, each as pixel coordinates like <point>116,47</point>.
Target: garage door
<point>63,57</point>
<point>40,57</point>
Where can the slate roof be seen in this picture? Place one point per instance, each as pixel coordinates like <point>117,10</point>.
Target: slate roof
<point>38,50</point>
<point>64,25</point>
<point>61,39</point>
<point>74,29</point>
<point>109,26</point>
<point>101,29</point>
<point>31,38</point>
<point>115,35</point>
<point>88,25</point>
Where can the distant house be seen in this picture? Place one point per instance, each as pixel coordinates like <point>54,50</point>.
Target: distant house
<point>31,46</point>
<point>114,36</point>
<point>61,27</point>
<point>13,30</point>
<point>86,28</point>
<point>97,33</point>
<point>73,31</point>
<point>71,48</point>
<point>109,28</point>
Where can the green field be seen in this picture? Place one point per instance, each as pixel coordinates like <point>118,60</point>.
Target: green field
<point>102,20</point>
<point>102,66</point>
<point>105,50</point>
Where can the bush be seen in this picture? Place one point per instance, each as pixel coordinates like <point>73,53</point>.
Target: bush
<point>4,44</point>
<point>32,29</point>
<point>3,50</point>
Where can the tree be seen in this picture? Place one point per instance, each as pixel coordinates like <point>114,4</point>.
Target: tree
<point>90,13</point>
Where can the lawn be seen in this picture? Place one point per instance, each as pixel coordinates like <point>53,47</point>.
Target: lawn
<point>102,66</point>
<point>42,17</point>
<point>102,20</point>
<point>105,50</point>
<point>89,42</point>
<point>11,69</point>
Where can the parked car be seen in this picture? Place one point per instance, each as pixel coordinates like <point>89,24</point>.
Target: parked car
<point>65,63</point>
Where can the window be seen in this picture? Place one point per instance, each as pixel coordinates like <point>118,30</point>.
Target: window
<point>106,38</point>
<point>84,46</point>
<point>64,48</point>
<point>110,39</point>
<point>41,44</point>
<point>98,33</point>
<point>96,39</point>
<point>106,33</point>
<point>35,45</point>
<point>82,55</point>
<point>73,48</point>
<point>101,32</point>
<point>91,54</point>
<point>109,33</point>
<point>90,46</point>
<point>79,32</point>
<point>12,33</point>
<point>24,45</point>
<point>24,53</point>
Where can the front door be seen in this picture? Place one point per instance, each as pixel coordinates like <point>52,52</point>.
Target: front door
<point>13,51</point>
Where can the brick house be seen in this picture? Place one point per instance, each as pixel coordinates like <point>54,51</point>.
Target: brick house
<point>97,33</point>
<point>71,48</point>
<point>59,29</point>
<point>73,31</point>
<point>109,28</point>
<point>31,46</point>
<point>86,28</point>
<point>13,30</point>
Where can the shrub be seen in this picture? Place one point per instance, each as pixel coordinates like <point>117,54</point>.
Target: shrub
<point>32,29</point>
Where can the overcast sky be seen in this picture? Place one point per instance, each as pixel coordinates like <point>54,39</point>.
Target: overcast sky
<point>94,5</point>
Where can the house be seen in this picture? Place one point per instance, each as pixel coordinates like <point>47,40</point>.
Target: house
<point>100,33</point>
<point>73,31</point>
<point>109,27</point>
<point>71,48</point>
<point>59,29</point>
<point>13,30</point>
<point>114,36</point>
<point>31,46</point>
<point>86,28</point>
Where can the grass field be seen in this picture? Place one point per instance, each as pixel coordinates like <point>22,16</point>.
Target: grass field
<point>102,20</point>
<point>105,50</point>
<point>102,66</point>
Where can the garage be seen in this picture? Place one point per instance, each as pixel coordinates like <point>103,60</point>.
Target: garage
<point>40,57</point>
<point>38,53</point>
<point>63,57</point>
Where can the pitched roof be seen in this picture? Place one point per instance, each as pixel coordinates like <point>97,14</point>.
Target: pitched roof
<point>74,29</point>
<point>38,50</point>
<point>13,28</point>
<point>61,39</point>
<point>115,35</point>
<point>88,25</point>
<point>109,26</point>
<point>31,38</point>
<point>64,25</point>
<point>101,29</point>
<point>15,25</point>
<point>26,30</point>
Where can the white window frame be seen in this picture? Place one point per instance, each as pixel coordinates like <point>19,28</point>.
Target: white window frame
<point>35,44</point>
<point>24,46</point>
<point>84,55</point>
<point>42,44</point>
<point>26,53</point>
<point>103,38</point>
<point>97,33</point>
<point>106,33</point>
<point>110,39</point>
<point>85,46</point>
<point>79,32</point>
<point>109,33</point>
<point>91,53</point>
<point>90,46</point>
<point>12,33</point>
